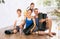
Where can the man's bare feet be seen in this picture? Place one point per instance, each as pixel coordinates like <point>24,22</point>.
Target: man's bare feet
<point>50,34</point>
<point>53,33</point>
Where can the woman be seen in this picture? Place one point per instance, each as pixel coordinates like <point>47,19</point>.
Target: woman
<point>30,23</point>
<point>31,6</point>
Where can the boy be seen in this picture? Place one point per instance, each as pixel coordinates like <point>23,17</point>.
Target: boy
<point>18,22</point>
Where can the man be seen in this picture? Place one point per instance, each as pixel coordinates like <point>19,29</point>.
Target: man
<point>47,23</point>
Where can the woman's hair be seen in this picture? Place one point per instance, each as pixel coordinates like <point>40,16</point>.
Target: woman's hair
<point>32,4</point>
<point>19,10</point>
<point>29,9</point>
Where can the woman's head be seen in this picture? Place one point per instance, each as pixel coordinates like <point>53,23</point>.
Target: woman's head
<point>29,12</point>
<point>19,12</point>
<point>32,5</point>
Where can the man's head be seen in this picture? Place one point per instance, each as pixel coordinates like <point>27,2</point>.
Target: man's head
<point>32,5</point>
<point>19,12</point>
<point>36,11</point>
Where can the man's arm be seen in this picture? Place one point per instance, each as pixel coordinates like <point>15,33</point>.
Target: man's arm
<point>42,20</point>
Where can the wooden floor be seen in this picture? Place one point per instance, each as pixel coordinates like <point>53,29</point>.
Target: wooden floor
<point>18,36</point>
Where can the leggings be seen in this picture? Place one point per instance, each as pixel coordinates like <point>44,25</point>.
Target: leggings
<point>27,30</point>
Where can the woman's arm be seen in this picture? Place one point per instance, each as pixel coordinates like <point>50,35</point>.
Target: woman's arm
<point>34,24</point>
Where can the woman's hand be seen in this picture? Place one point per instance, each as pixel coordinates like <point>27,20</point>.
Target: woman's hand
<point>31,30</point>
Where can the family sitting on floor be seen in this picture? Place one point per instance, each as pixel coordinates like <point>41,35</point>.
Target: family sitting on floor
<point>30,24</point>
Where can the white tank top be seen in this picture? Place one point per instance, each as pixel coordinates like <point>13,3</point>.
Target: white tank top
<point>19,20</point>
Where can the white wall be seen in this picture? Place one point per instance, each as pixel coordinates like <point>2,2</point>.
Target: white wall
<point>8,11</point>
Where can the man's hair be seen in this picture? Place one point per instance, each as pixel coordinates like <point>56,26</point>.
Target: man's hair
<point>36,9</point>
<point>19,10</point>
<point>32,4</point>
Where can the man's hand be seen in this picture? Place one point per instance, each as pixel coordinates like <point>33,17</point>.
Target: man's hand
<point>42,20</point>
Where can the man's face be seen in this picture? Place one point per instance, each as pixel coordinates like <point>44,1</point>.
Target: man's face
<point>19,13</point>
<point>32,6</point>
<point>36,12</point>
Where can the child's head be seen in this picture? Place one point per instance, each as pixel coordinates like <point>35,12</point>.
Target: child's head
<point>32,5</point>
<point>36,11</point>
<point>19,12</point>
<point>29,12</point>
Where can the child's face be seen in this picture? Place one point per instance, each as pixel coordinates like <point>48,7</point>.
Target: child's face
<point>19,13</point>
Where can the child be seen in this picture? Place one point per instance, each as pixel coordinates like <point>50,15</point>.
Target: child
<point>18,22</point>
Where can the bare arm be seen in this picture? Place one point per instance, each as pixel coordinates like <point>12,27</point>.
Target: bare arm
<point>42,20</point>
<point>34,24</point>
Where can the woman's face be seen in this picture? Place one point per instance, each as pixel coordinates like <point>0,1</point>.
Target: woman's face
<point>32,6</point>
<point>29,12</point>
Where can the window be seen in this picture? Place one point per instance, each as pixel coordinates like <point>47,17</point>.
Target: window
<point>2,1</point>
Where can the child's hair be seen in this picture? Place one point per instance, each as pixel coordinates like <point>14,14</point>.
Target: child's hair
<point>19,10</point>
<point>32,4</point>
